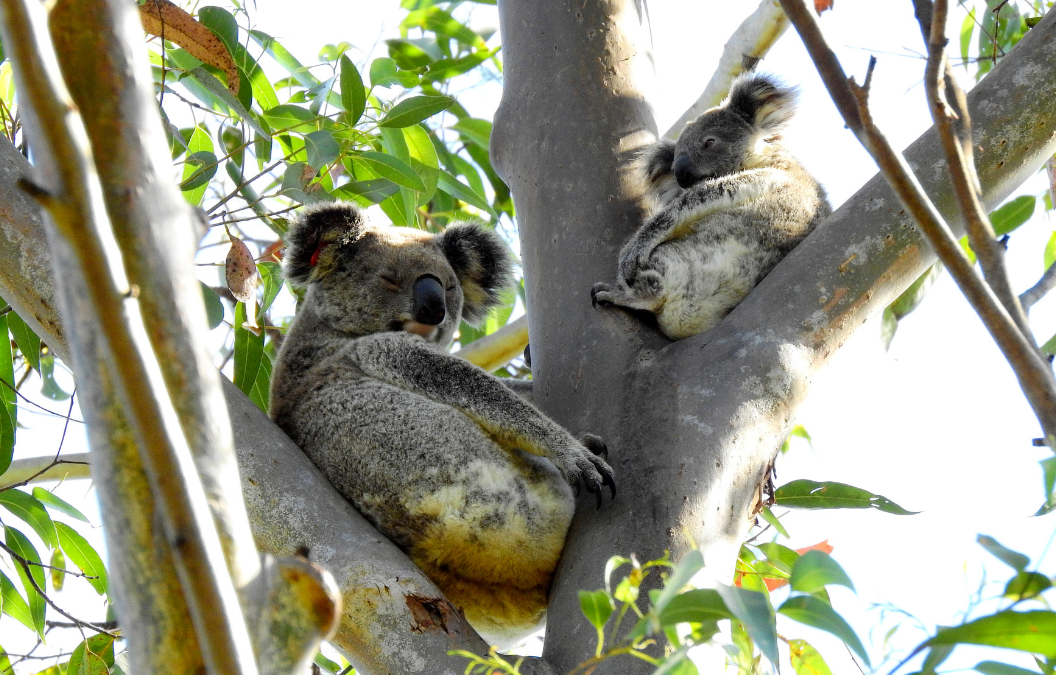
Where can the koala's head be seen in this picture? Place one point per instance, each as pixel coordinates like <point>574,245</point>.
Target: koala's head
<point>365,278</point>
<point>738,134</point>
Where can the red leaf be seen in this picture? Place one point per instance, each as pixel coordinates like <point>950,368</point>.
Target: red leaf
<point>823,6</point>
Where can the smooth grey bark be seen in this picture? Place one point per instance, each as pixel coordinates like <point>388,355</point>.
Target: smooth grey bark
<point>693,426</point>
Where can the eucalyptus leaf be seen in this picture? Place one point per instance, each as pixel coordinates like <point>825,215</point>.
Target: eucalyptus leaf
<point>55,503</point>
<point>809,610</point>
<point>995,668</point>
<point>81,553</point>
<point>415,109</point>
<point>753,610</point>
<point>1016,561</point>
<point>27,341</point>
<point>1033,632</point>
<point>596,606</point>
<point>814,570</point>
<point>214,308</point>
<point>387,166</point>
<point>353,97</point>
<point>20,544</point>
<point>32,512</point>
<point>806,660</point>
<point>13,604</point>
<point>249,352</point>
<point>1013,214</point>
<point>809,494</point>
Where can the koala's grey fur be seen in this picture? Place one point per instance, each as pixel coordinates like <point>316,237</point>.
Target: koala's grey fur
<point>725,203</point>
<point>443,458</point>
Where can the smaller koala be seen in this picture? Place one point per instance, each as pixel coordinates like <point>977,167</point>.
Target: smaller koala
<point>725,203</point>
<point>447,461</point>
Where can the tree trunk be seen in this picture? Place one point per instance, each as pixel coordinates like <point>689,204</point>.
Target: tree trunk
<point>693,426</point>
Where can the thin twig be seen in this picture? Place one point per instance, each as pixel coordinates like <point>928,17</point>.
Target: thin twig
<point>19,558</point>
<point>98,629</point>
<point>1036,292</point>
<point>949,110</point>
<point>1033,372</point>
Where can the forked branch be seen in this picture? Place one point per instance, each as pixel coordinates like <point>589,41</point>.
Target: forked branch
<point>1033,372</point>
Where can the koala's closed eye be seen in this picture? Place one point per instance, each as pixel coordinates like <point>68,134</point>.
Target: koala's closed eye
<point>390,281</point>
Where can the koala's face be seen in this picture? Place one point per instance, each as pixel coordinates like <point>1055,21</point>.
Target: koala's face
<point>391,279</point>
<point>364,278</point>
<point>717,143</point>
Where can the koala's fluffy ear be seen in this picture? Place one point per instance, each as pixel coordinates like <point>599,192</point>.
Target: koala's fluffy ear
<point>652,179</point>
<point>762,101</point>
<point>482,264</point>
<point>314,236</point>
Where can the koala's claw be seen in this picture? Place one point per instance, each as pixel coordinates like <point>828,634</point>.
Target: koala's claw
<point>595,445</point>
<point>600,296</point>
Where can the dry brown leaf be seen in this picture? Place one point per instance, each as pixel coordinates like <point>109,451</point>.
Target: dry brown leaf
<point>169,22</point>
<point>241,272</point>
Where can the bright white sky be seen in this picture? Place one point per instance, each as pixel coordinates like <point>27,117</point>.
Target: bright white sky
<point>937,423</point>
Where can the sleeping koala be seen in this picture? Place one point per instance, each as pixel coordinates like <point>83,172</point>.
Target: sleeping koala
<point>471,481</point>
<point>726,202</point>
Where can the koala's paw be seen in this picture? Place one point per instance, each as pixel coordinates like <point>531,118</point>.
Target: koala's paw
<point>633,262</point>
<point>587,465</point>
<point>602,295</point>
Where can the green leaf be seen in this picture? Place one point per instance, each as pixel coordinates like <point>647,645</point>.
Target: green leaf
<point>387,166</point>
<point>907,302</point>
<point>1016,561</point>
<point>459,190</point>
<point>200,148</point>
<point>8,399</point>
<point>322,148</point>
<point>50,388</point>
<point>214,308</point>
<point>271,278</point>
<point>443,24</point>
<point>326,664</point>
<point>353,98</point>
<point>383,72</point>
<point>22,547</point>
<point>596,606</point>
<point>84,662</point>
<point>798,431</point>
<point>423,159</point>
<point>13,604</point>
<point>51,501</point>
<point>58,568</point>
<point>753,609</point>
<point>781,557</point>
<point>261,386</point>
<point>935,658</point>
<point>809,494</point>
<point>806,660</point>
<point>692,563</point>
<point>373,191</point>
<point>5,663</point>
<point>284,118</point>
<point>445,69</point>
<point>475,130</point>
<point>1033,632</point>
<point>1013,214</point>
<point>808,610</point>
<point>967,28</point>
<point>249,352</point>
<point>217,89</point>
<point>27,341</point>
<point>1026,585</point>
<point>814,570</point>
<point>1050,251</point>
<point>769,517</point>
<point>415,109</point>
<point>995,668</point>
<point>30,510</point>
<point>284,58</point>
<point>81,553</point>
<point>198,169</point>
<point>698,605</point>
<point>1050,346</point>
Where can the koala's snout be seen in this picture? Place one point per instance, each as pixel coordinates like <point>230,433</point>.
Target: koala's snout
<point>429,306</point>
<point>685,173</point>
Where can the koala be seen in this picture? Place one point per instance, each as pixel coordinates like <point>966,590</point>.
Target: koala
<point>447,461</point>
<point>725,202</point>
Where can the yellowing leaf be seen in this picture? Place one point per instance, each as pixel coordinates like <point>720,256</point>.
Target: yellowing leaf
<point>169,22</point>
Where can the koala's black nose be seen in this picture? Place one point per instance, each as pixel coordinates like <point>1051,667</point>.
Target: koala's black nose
<point>429,306</point>
<point>685,173</point>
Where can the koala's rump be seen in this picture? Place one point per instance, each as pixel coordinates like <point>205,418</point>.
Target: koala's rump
<point>486,523</point>
<point>710,269</point>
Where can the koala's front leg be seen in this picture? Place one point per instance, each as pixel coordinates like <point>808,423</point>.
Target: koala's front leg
<point>408,362</point>
<point>634,257</point>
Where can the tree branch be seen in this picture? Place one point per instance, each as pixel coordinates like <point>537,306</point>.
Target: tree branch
<point>748,44</point>
<point>1036,292</point>
<point>492,352</point>
<point>950,113</point>
<point>73,198</point>
<point>1033,372</point>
